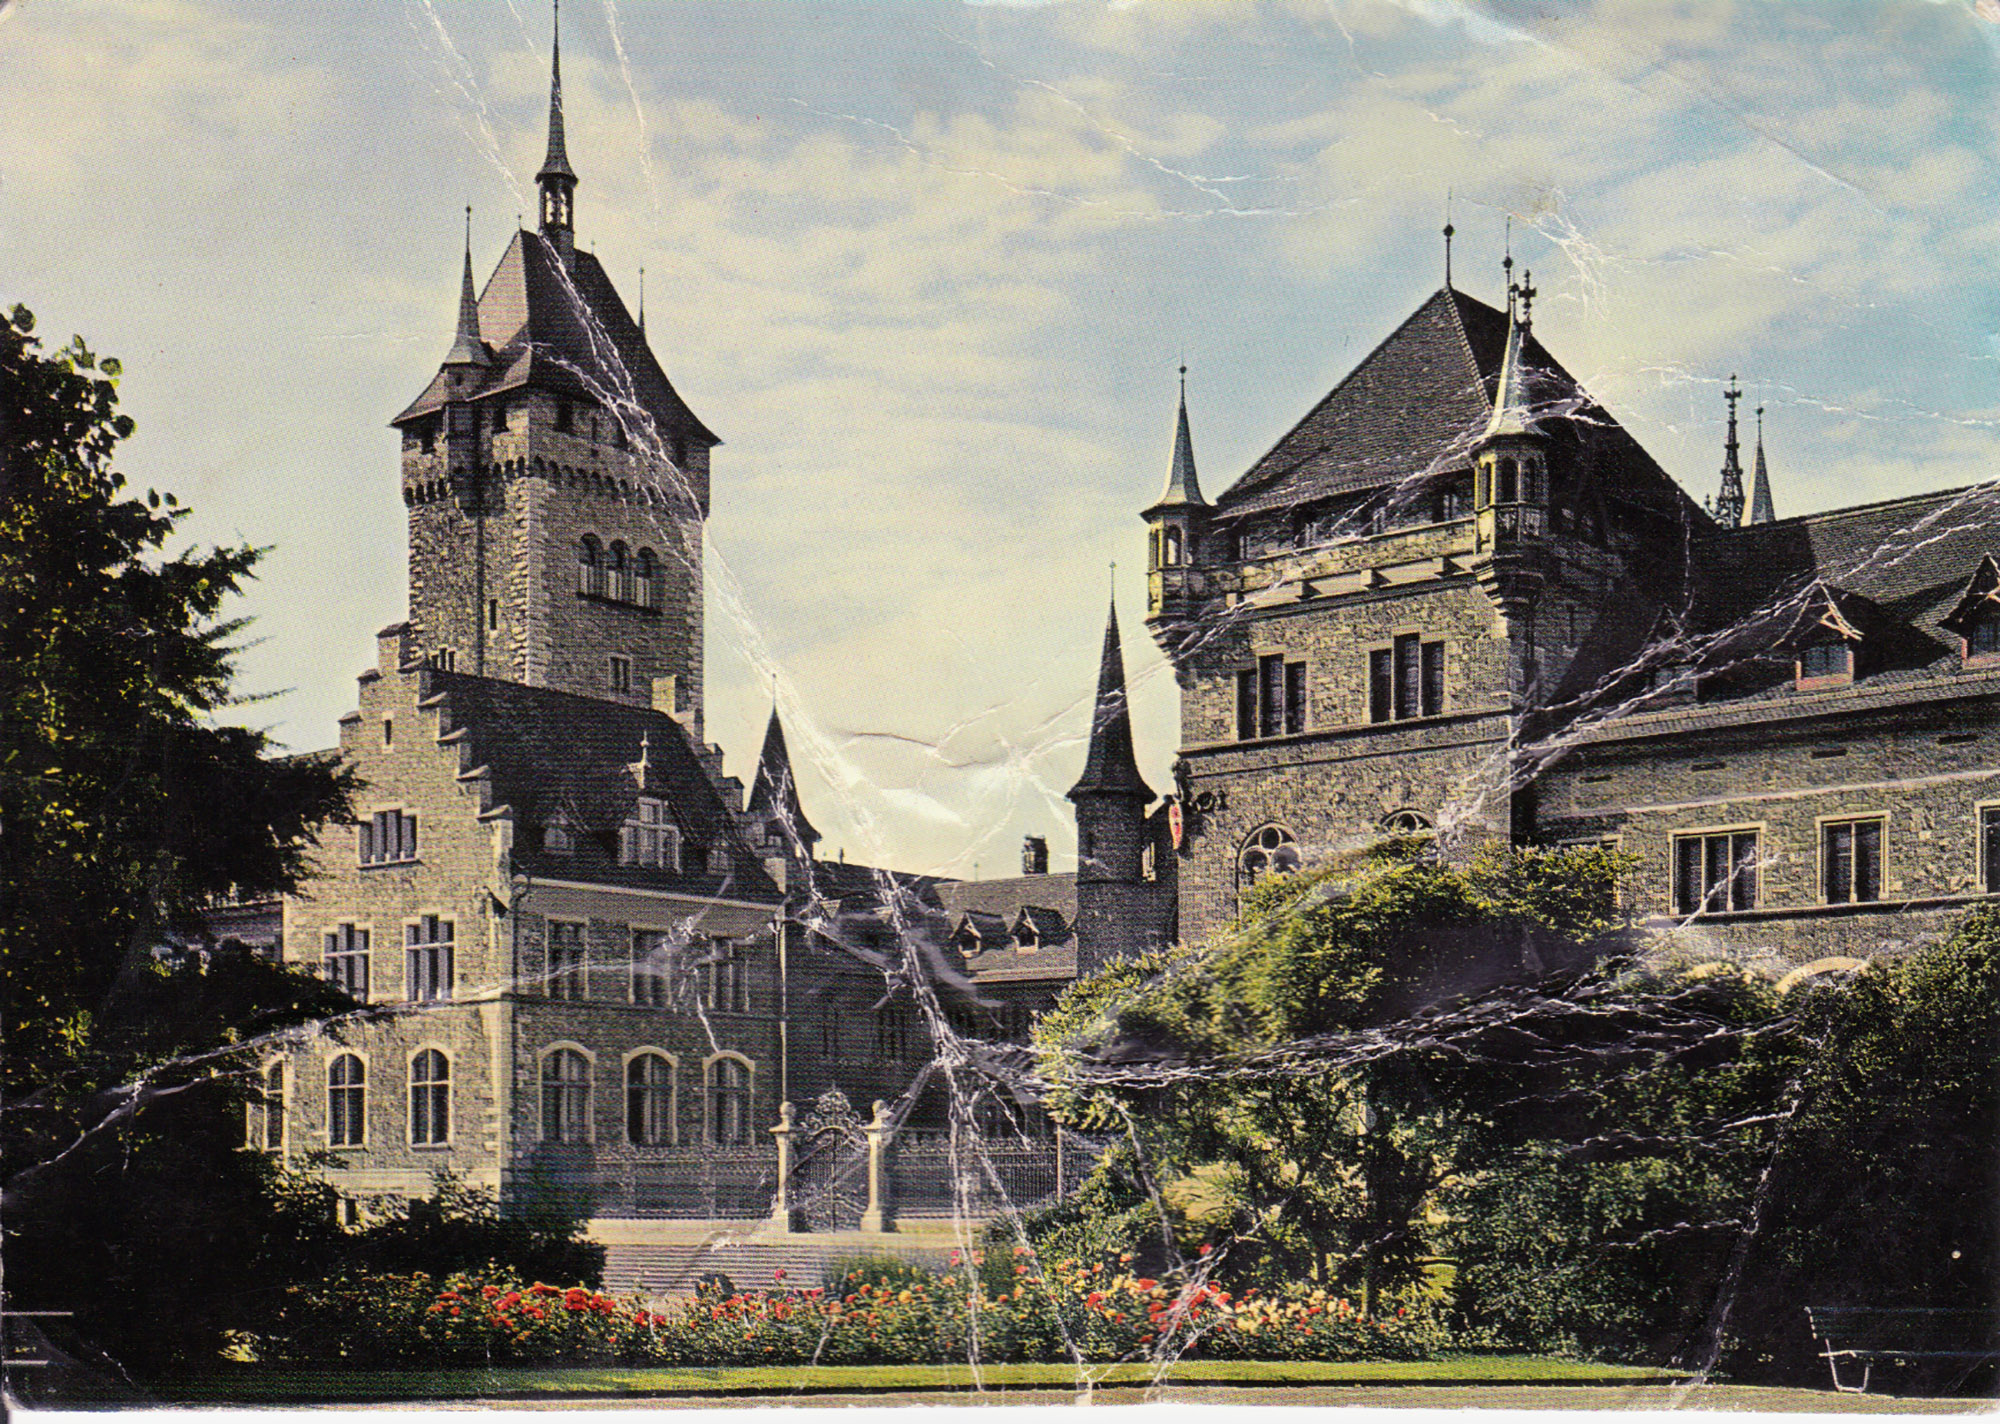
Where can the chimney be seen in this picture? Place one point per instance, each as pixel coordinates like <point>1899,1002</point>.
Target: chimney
<point>1035,855</point>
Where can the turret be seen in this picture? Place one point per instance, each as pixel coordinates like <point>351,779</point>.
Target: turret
<point>1177,524</point>
<point>1762,511</point>
<point>464,369</point>
<point>557,180</point>
<point>1115,903</point>
<point>773,809</point>
<point>1510,472</point>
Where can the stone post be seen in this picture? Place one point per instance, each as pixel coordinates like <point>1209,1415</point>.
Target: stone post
<point>781,1210</point>
<point>878,1217</point>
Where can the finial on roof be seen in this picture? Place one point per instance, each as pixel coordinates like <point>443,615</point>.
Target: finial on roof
<point>1513,401</point>
<point>557,180</point>
<point>642,769</point>
<point>1728,506</point>
<point>1762,511</point>
<point>1527,299</point>
<point>466,347</point>
<point>1109,767</point>
<point>1448,231</point>
<point>1182,485</point>
<point>1507,267</point>
<point>642,301</point>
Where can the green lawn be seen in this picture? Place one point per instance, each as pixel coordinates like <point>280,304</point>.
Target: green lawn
<point>271,1385</point>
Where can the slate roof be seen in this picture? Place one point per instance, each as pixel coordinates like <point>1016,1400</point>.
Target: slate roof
<point>1892,572</point>
<point>548,753</point>
<point>565,330</point>
<point>1005,898</point>
<point>1110,767</point>
<point>1419,402</point>
<point>774,793</point>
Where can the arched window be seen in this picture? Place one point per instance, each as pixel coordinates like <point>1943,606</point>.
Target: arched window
<point>1270,851</point>
<point>267,1110</point>
<point>565,1097</point>
<point>649,1100</point>
<point>1405,823</point>
<point>1173,554</point>
<point>346,1101</point>
<point>646,578</point>
<point>589,566</point>
<point>430,1099</point>
<point>618,572</point>
<point>1507,493</point>
<point>728,1103</point>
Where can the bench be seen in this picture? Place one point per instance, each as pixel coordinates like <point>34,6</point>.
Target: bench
<point>1872,1335</point>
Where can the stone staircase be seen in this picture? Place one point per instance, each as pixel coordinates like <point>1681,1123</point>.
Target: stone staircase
<point>669,1262</point>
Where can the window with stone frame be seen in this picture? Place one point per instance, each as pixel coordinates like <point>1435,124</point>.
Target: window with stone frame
<point>346,1101</point>
<point>1271,698</point>
<point>728,1103</point>
<point>649,838</point>
<point>652,968</point>
<point>567,974</point>
<point>430,1099</point>
<point>388,838</point>
<point>345,963</point>
<point>726,977</point>
<point>1850,862</point>
<point>565,1096</point>
<point>649,1100</point>
<point>621,672</point>
<point>1406,680</point>
<point>590,566</point>
<point>1715,872</point>
<point>266,1117</point>
<point>1824,663</point>
<point>427,957</point>
<point>1989,849</point>
<point>1270,850</point>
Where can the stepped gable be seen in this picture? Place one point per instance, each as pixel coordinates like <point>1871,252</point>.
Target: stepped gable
<point>548,754</point>
<point>1417,404</point>
<point>565,330</point>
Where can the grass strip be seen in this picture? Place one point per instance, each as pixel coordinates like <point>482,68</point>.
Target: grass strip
<point>277,1384</point>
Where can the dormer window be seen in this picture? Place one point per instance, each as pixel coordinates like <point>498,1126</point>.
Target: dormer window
<point>649,838</point>
<point>1982,639</point>
<point>1826,664</point>
<point>559,837</point>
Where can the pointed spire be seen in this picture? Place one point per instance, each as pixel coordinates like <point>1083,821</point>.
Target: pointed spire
<point>1513,401</point>
<point>1110,768</point>
<point>1448,231</point>
<point>642,301</point>
<point>774,794</point>
<point>557,180</point>
<point>1182,485</point>
<point>1728,507</point>
<point>1762,511</point>
<point>466,347</point>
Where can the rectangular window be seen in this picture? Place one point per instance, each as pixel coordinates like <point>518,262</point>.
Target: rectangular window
<point>1433,679</point>
<point>568,968</point>
<point>649,838</point>
<point>427,953</point>
<point>492,615</point>
<point>388,838</point>
<point>388,731</point>
<point>621,673</point>
<point>1270,695</point>
<point>1409,677</point>
<point>1825,660</point>
<point>1715,873</point>
<point>1246,705</point>
<point>346,961</point>
<point>1851,861</point>
<point>1984,639</point>
<point>1271,699</point>
<point>726,978</point>
<point>1406,680</point>
<point>1989,848</point>
<point>652,967</point>
<point>894,1032</point>
<point>1381,685</point>
<point>1295,697</point>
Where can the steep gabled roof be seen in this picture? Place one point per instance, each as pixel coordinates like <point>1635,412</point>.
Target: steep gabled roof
<point>1109,767</point>
<point>565,329</point>
<point>550,754</point>
<point>774,794</point>
<point>1419,402</point>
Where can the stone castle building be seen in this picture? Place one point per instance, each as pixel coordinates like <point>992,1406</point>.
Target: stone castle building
<point>590,969</point>
<point>1459,599</point>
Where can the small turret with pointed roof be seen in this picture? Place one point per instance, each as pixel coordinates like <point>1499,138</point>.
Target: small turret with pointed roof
<point>557,180</point>
<point>466,347</point>
<point>1727,508</point>
<point>1178,520</point>
<point>1762,511</point>
<point>1110,768</point>
<point>1183,487</point>
<point>774,794</point>
<point>1513,401</point>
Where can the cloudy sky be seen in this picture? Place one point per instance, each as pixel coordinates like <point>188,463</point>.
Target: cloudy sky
<point>928,266</point>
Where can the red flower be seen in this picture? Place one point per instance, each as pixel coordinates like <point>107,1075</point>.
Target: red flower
<point>1203,1249</point>
<point>1145,1283</point>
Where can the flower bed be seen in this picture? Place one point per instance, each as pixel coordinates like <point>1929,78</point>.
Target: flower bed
<point>1072,1310</point>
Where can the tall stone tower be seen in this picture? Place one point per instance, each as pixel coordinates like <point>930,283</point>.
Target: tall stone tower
<point>1118,897</point>
<point>557,484</point>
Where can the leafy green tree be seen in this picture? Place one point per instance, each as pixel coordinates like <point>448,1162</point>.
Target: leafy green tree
<point>125,808</point>
<point>1298,1062</point>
